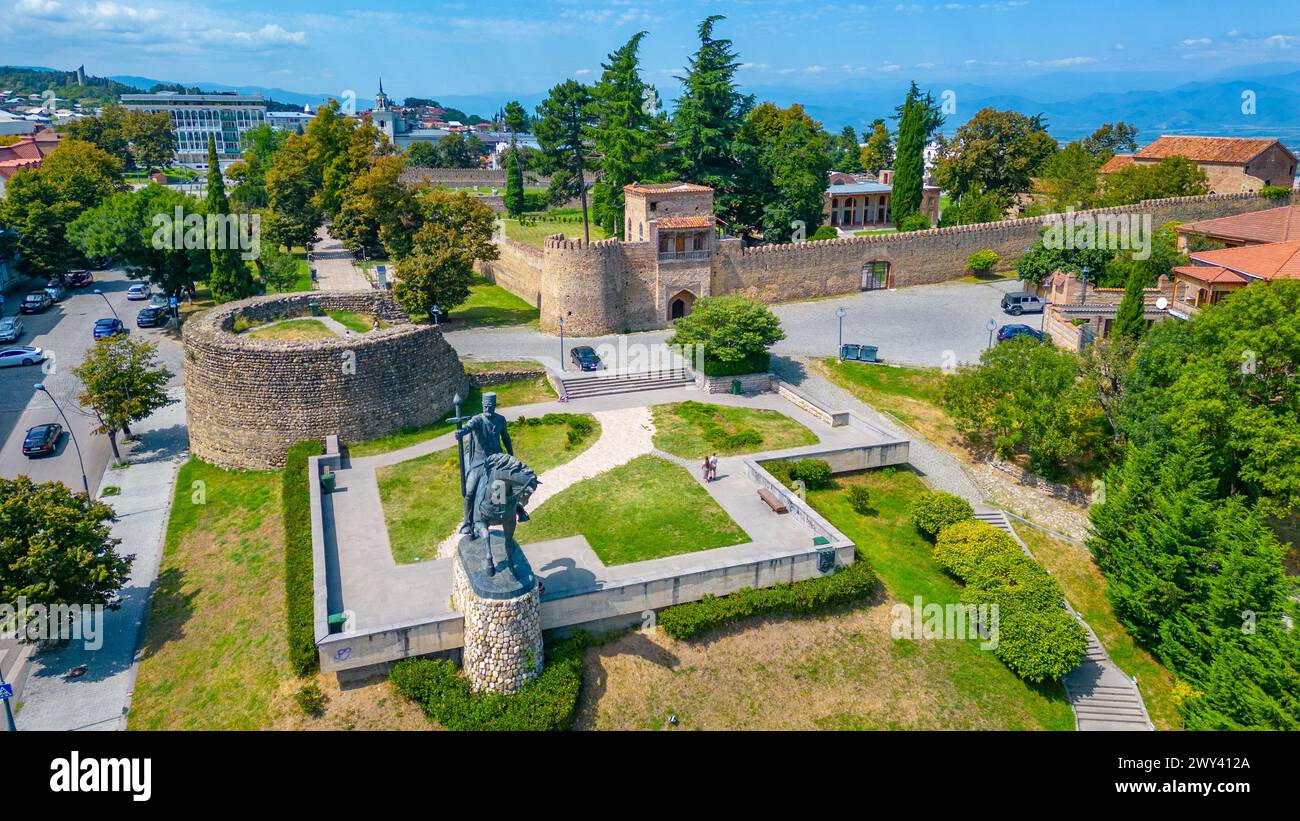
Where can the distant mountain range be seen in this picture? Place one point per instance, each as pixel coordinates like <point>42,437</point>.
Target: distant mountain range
<point>1073,103</point>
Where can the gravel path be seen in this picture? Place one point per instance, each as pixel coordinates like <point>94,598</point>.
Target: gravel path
<point>624,435</point>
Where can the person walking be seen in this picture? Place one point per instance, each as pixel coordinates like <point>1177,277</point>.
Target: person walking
<point>713,466</point>
<point>704,467</point>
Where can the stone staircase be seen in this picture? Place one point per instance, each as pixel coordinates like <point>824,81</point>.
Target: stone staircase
<point>1102,695</point>
<point>602,383</point>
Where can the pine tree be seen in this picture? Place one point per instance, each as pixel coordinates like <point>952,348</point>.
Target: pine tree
<point>562,123</point>
<point>1130,317</point>
<point>709,115</point>
<point>625,134</point>
<point>230,277</point>
<point>909,173</point>
<point>514,196</point>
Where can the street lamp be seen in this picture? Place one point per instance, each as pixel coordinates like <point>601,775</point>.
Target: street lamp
<point>561,341</point>
<point>839,350</point>
<point>84,484</point>
<point>110,305</point>
<point>992,326</point>
<point>434,313</point>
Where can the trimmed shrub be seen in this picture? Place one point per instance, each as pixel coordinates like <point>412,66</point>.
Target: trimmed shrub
<point>757,363</point>
<point>815,473</point>
<point>963,546</point>
<point>310,700</point>
<point>299,586</point>
<point>1013,580</point>
<point>548,702</point>
<point>1039,645</point>
<point>914,222</point>
<point>981,262</point>
<point>860,499</point>
<point>848,584</point>
<point>934,510</point>
<point>1275,192</point>
<point>824,232</point>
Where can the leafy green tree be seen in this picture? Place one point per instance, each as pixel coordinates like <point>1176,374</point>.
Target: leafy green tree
<point>55,546</point>
<point>878,153</point>
<point>1025,398</point>
<point>261,145</point>
<point>1111,139</point>
<point>291,184</point>
<point>709,115</point>
<point>1041,261</point>
<point>151,138</point>
<point>230,278</point>
<point>996,151</point>
<point>422,155</point>
<point>107,132</point>
<point>438,267</point>
<point>40,203</point>
<point>1071,179</point>
<point>453,152</point>
<point>279,271</point>
<point>626,133</point>
<point>563,119</point>
<point>122,383</point>
<point>1171,177</point>
<point>378,209</point>
<point>846,155</point>
<point>136,228</point>
<point>785,161</point>
<point>731,330</point>
<point>909,175</point>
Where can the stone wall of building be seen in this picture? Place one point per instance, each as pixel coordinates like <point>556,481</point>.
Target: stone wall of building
<point>249,400</point>
<point>503,637</point>
<point>610,287</point>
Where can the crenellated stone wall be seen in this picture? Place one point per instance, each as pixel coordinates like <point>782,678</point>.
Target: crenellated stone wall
<point>610,286</point>
<point>249,400</point>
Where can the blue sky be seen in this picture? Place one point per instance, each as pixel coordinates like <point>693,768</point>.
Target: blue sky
<point>431,48</point>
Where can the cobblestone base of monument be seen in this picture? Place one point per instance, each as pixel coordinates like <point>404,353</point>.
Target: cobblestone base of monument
<point>503,637</point>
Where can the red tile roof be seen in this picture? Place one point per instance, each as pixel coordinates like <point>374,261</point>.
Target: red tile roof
<point>1116,163</point>
<point>1275,260</point>
<point>701,221</point>
<point>1212,274</point>
<point>1232,150</point>
<point>1271,225</point>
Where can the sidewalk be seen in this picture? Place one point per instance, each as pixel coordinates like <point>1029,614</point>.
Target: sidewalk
<point>99,698</point>
<point>336,270</point>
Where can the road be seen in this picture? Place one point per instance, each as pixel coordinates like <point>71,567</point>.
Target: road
<point>65,332</point>
<point>917,326</point>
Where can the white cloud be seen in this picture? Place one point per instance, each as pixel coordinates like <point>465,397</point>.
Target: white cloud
<point>1279,41</point>
<point>1196,41</point>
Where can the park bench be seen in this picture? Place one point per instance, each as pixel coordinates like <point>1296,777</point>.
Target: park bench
<point>773,501</point>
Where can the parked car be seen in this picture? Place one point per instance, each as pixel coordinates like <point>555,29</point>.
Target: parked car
<point>79,279</point>
<point>42,440</point>
<point>1012,331</point>
<point>1023,302</point>
<point>159,301</point>
<point>23,355</point>
<point>11,327</point>
<point>109,327</point>
<point>56,290</point>
<point>36,302</point>
<point>585,358</point>
<point>152,316</point>
<point>137,292</point>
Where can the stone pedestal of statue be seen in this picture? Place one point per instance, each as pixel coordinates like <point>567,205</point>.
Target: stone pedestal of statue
<point>503,620</point>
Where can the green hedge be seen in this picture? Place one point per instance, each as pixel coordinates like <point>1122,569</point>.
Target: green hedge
<point>934,510</point>
<point>299,586</point>
<point>961,547</point>
<point>815,473</point>
<point>758,363</point>
<point>848,584</point>
<point>546,703</point>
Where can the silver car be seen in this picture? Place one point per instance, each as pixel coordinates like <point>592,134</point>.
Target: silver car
<point>11,327</point>
<point>13,357</point>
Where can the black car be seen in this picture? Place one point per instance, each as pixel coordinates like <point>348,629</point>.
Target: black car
<point>585,358</point>
<point>36,302</point>
<point>42,440</point>
<point>1012,331</point>
<point>152,317</point>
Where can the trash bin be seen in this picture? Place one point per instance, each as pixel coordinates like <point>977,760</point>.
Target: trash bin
<point>327,482</point>
<point>314,307</point>
<point>735,387</point>
<point>337,621</point>
<point>849,351</point>
<point>867,353</point>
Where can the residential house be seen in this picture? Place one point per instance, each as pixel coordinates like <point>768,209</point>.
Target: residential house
<point>1255,228</point>
<point>1214,274</point>
<point>27,152</point>
<point>1078,314</point>
<point>856,202</point>
<point>1231,164</point>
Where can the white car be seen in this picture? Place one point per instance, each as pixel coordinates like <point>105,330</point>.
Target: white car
<point>137,291</point>
<point>11,327</point>
<point>13,357</point>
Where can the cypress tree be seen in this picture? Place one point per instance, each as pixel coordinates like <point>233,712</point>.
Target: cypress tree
<point>909,171</point>
<point>1130,317</point>
<point>514,197</point>
<point>230,277</point>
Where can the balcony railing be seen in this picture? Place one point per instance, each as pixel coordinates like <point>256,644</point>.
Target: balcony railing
<point>671,256</point>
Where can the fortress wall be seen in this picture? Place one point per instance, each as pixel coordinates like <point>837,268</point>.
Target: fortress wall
<point>584,282</point>
<point>518,270</point>
<point>640,284</point>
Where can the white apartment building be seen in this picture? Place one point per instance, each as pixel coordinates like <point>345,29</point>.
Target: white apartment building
<point>196,116</point>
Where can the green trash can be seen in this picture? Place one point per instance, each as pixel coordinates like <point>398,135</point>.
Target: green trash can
<point>337,621</point>
<point>327,482</point>
<point>735,387</point>
<point>314,307</point>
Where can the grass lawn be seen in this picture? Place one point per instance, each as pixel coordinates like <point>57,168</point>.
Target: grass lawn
<point>645,509</point>
<point>694,429</point>
<point>905,565</point>
<point>421,497</point>
<point>353,321</point>
<point>1085,587</point>
<point>911,394</point>
<point>523,392</point>
<point>536,233</point>
<point>214,651</point>
<point>491,306</point>
<point>293,329</point>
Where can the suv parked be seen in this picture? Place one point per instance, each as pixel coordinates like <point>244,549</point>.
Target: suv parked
<point>1022,302</point>
<point>585,358</point>
<point>80,278</point>
<point>36,302</point>
<point>56,290</point>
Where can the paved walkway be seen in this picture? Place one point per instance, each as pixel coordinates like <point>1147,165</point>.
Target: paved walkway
<point>378,592</point>
<point>99,698</point>
<point>336,270</point>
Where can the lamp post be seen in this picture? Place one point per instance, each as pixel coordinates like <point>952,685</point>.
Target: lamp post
<point>434,311</point>
<point>110,305</point>
<point>839,349</point>
<point>84,484</point>
<point>562,342</point>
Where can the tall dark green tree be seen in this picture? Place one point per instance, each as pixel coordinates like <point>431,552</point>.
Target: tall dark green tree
<point>932,118</point>
<point>514,196</point>
<point>563,120</point>
<point>909,171</point>
<point>626,132</point>
<point>1130,317</point>
<point>709,115</point>
<point>230,278</point>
